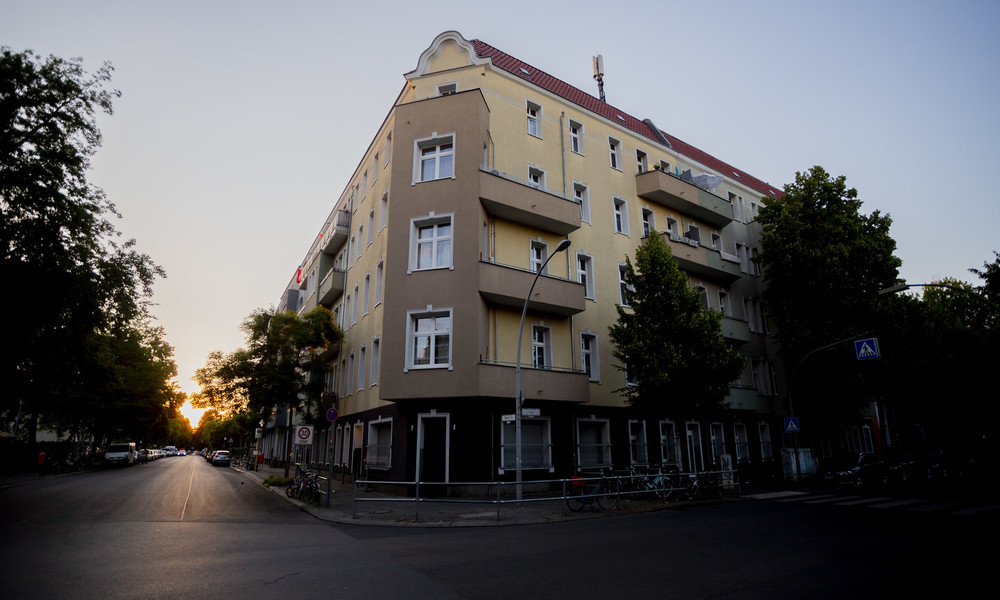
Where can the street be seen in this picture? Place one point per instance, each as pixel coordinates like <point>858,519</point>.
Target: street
<point>180,528</point>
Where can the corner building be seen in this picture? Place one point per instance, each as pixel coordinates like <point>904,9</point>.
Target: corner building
<point>482,166</point>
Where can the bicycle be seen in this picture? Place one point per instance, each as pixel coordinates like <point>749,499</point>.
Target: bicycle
<point>581,493</point>
<point>305,487</point>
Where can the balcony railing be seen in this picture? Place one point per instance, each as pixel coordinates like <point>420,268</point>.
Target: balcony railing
<point>533,456</point>
<point>595,456</point>
<point>335,236</point>
<point>507,286</point>
<point>332,287</point>
<point>700,260</point>
<point>510,199</point>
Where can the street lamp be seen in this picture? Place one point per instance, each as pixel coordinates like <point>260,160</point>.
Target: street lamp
<point>517,370</point>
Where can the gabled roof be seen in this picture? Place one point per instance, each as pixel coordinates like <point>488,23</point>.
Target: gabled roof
<point>577,96</point>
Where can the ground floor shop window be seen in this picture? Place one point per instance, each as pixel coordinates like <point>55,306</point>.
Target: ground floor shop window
<point>536,446</point>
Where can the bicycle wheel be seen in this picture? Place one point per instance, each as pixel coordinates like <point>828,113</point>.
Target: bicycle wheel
<point>607,495</point>
<point>575,499</point>
<point>290,491</point>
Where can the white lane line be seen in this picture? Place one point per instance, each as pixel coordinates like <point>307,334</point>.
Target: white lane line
<point>190,485</point>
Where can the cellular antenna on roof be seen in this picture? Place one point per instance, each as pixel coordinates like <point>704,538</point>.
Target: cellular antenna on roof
<point>599,75</point>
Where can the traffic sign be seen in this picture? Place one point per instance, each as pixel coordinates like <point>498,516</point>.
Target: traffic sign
<point>792,425</point>
<point>866,348</point>
<point>331,415</point>
<point>303,435</point>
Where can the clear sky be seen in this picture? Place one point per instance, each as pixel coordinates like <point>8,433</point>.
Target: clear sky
<point>240,122</point>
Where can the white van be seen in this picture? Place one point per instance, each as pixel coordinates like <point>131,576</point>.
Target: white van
<point>170,450</point>
<point>122,454</point>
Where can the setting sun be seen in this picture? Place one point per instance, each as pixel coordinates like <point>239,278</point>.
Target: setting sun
<point>192,414</point>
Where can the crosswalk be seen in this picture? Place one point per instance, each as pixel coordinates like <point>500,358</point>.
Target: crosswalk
<point>886,503</point>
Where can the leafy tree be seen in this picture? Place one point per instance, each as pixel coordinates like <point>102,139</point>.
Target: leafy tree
<point>666,342</point>
<point>283,361</point>
<point>87,286</point>
<point>824,263</point>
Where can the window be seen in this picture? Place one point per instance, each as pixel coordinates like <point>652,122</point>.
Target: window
<point>642,162</point>
<point>447,89</point>
<point>718,440</point>
<point>630,375</point>
<point>379,276</point>
<point>357,247</point>
<point>585,273</point>
<point>539,252</point>
<point>637,442</point>
<point>716,241</point>
<point>540,350</point>
<point>672,226</point>
<point>430,243</point>
<point>429,339</point>
<point>350,373</point>
<point>343,379</point>
<point>368,280</point>
<point>388,148</point>
<point>383,211</point>
<point>534,124</point>
<point>703,293</point>
<point>615,147</point>
<point>724,303</point>
<point>765,441</point>
<point>378,455</point>
<point>695,460</point>
<point>670,450</point>
<point>353,245</point>
<point>621,215</point>
<point>364,185</point>
<point>589,358</point>
<point>354,308</point>
<point>582,195</point>
<point>362,354</point>
<point>664,166</point>
<point>371,226</point>
<point>576,137</point>
<point>693,233</point>
<point>743,252</point>
<point>436,158</point>
<point>374,168</point>
<point>536,447</point>
<point>375,358</point>
<point>536,178</point>
<point>622,286</point>
<point>347,307</point>
<point>648,222</point>
<point>742,446</point>
<point>595,443</point>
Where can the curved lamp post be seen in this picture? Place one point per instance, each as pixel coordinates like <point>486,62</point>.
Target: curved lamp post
<point>517,370</point>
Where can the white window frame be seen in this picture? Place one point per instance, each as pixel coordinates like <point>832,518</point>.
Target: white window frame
<point>435,221</point>
<point>382,442</point>
<point>441,152</point>
<point>541,346</point>
<point>534,114</point>
<point>724,305</point>
<point>619,208</point>
<point>537,254</point>
<point>364,184</point>
<point>766,446</point>
<point>637,446</point>
<point>379,281</point>
<point>412,317</point>
<point>622,285</point>
<point>447,89</point>
<point>371,226</point>
<point>601,448</point>
<point>374,369</point>
<point>350,373</point>
<point>575,137</point>
<point>536,177</point>
<point>581,193</point>
<point>540,460</point>
<point>367,297</point>
<point>670,444</point>
<point>648,221</point>
<point>585,274</point>
<point>717,440</point>
<point>354,307</point>
<point>641,160</point>
<point>383,213</point>
<point>741,443</point>
<point>362,356</point>
<point>615,149</point>
<point>591,353</point>
<point>388,149</point>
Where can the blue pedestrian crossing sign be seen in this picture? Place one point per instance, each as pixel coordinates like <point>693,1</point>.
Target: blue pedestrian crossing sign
<point>792,425</point>
<point>866,348</point>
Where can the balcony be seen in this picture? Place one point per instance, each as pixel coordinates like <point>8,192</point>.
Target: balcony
<point>332,287</point>
<point>747,398</point>
<point>507,286</point>
<point>335,236</point>
<point>497,380</point>
<point>703,262</point>
<point>735,330</point>
<point>684,197</point>
<point>512,200</point>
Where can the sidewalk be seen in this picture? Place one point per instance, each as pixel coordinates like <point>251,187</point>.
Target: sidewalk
<point>399,511</point>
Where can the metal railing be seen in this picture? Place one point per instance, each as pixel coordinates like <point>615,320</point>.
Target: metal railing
<point>712,485</point>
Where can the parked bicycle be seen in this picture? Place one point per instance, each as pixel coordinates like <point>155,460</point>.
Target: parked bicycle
<point>584,491</point>
<point>305,487</point>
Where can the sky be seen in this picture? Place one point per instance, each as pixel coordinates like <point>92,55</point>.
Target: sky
<point>241,122</point>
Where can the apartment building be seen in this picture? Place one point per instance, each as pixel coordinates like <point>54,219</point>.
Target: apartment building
<point>482,166</point>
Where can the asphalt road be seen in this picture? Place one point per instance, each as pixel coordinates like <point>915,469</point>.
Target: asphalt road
<point>180,528</point>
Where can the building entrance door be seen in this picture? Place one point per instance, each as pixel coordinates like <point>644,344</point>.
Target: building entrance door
<point>433,448</point>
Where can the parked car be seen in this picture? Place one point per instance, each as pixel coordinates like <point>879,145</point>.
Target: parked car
<point>142,456</point>
<point>863,470</point>
<point>121,454</point>
<point>221,458</point>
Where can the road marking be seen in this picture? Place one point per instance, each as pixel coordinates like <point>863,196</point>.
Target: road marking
<point>190,485</point>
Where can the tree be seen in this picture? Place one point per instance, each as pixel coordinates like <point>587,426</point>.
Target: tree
<point>55,233</point>
<point>824,263</point>
<point>284,360</point>
<point>669,346</point>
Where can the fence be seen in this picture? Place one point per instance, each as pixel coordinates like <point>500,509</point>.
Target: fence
<point>706,485</point>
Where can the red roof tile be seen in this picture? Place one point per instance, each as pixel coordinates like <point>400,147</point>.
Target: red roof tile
<point>584,100</point>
